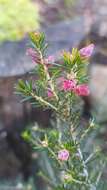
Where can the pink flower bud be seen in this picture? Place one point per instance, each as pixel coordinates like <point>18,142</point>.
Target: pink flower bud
<point>49,93</point>
<point>69,85</point>
<point>34,55</point>
<point>63,155</point>
<point>50,59</point>
<point>87,51</point>
<point>82,90</point>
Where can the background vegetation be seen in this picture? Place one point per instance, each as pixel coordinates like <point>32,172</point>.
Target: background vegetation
<point>17,18</point>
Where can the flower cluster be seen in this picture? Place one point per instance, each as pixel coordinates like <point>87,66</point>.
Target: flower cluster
<point>81,90</point>
<point>84,52</point>
<point>70,85</point>
<point>67,85</point>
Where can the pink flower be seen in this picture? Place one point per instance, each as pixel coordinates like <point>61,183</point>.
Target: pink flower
<point>63,155</point>
<point>87,51</point>
<point>82,90</point>
<point>50,59</point>
<point>69,85</point>
<point>34,55</point>
<point>49,93</point>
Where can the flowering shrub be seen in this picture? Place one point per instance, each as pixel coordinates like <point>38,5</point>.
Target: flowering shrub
<point>59,87</point>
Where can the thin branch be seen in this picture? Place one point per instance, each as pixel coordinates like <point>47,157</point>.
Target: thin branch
<point>81,157</point>
<point>91,156</point>
<point>48,76</point>
<point>41,100</point>
<point>99,175</point>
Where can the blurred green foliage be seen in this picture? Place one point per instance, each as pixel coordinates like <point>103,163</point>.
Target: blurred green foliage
<point>68,2</point>
<point>17,18</point>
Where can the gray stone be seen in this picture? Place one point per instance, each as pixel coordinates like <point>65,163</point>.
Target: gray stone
<point>98,88</point>
<point>13,59</point>
<point>64,35</point>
